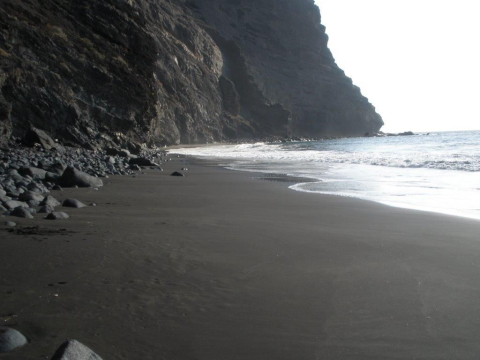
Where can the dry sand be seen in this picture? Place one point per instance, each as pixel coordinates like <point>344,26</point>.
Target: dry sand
<point>218,265</point>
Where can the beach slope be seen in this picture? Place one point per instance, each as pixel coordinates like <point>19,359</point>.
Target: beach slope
<point>218,265</point>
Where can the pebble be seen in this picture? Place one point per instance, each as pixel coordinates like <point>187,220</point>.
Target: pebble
<point>10,224</point>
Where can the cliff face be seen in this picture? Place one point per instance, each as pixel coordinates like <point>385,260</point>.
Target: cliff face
<point>162,71</point>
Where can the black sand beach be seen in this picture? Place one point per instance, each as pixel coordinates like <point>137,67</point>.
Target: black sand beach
<point>217,265</point>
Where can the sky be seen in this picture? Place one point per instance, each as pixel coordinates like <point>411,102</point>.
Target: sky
<point>417,61</point>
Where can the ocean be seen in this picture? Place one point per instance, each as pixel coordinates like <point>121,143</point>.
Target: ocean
<point>438,172</point>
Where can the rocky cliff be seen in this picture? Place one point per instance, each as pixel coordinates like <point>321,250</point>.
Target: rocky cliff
<point>98,72</point>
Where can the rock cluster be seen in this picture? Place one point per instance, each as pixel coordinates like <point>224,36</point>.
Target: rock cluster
<point>28,175</point>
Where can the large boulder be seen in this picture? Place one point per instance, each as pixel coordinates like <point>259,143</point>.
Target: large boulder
<point>72,177</point>
<point>36,136</point>
<point>74,350</point>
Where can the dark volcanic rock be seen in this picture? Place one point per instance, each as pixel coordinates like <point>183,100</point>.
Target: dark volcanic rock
<point>50,201</point>
<point>46,209</point>
<point>197,71</point>
<point>12,204</point>
<point>36,136</point>
<point>72,177</point>
<point>74,350</point>
<point>33,172</point>
<point>10,339</point>
<point>73,203</point>
<point>21,212</point>
<point>57,215</point>
<point>176,173</point>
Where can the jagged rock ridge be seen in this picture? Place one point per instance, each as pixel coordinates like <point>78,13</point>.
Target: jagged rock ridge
<point>161,71</point>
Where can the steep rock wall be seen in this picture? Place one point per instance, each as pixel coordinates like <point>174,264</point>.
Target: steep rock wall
<point>97,72</point>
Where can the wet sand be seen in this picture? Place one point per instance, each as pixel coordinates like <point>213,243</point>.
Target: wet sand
<point>218,265</point>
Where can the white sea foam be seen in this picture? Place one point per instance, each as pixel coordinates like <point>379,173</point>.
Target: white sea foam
<point>440,172</point>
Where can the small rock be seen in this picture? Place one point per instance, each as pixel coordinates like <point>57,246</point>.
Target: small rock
<point>73,203</point>
<point>74,350</point>
<point>176,173</point>
<point>10,339</point>
<point>10,224</point>
<point>57,215</point>
<point>184,169</point>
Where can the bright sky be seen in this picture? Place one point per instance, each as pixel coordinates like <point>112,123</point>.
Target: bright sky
<point>418,61</point>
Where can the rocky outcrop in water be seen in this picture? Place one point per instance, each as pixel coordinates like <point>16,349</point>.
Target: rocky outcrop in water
<point>129,72</point>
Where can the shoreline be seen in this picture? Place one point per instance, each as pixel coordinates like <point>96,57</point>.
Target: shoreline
<point>219,265</point>
<point>395,186</point>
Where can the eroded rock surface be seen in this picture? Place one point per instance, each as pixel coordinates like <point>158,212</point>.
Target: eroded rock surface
<point>130,72</point>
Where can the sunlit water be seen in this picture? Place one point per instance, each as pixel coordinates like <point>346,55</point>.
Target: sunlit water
<point>439,172</point>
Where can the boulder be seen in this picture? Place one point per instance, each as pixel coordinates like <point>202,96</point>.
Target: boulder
<point>30,195</point>
<point>72,177</point>
<point>74,350</point>
<point>36,136</point>
<point>21,212</point>
<point>12,204</point>
<point>57,215</point>
<point>73,203</point>
<point>10,339</point>
<point>46,209</point>
<point>50,201</point>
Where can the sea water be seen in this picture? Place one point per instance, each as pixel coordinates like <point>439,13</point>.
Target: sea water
<point>438,172</point>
